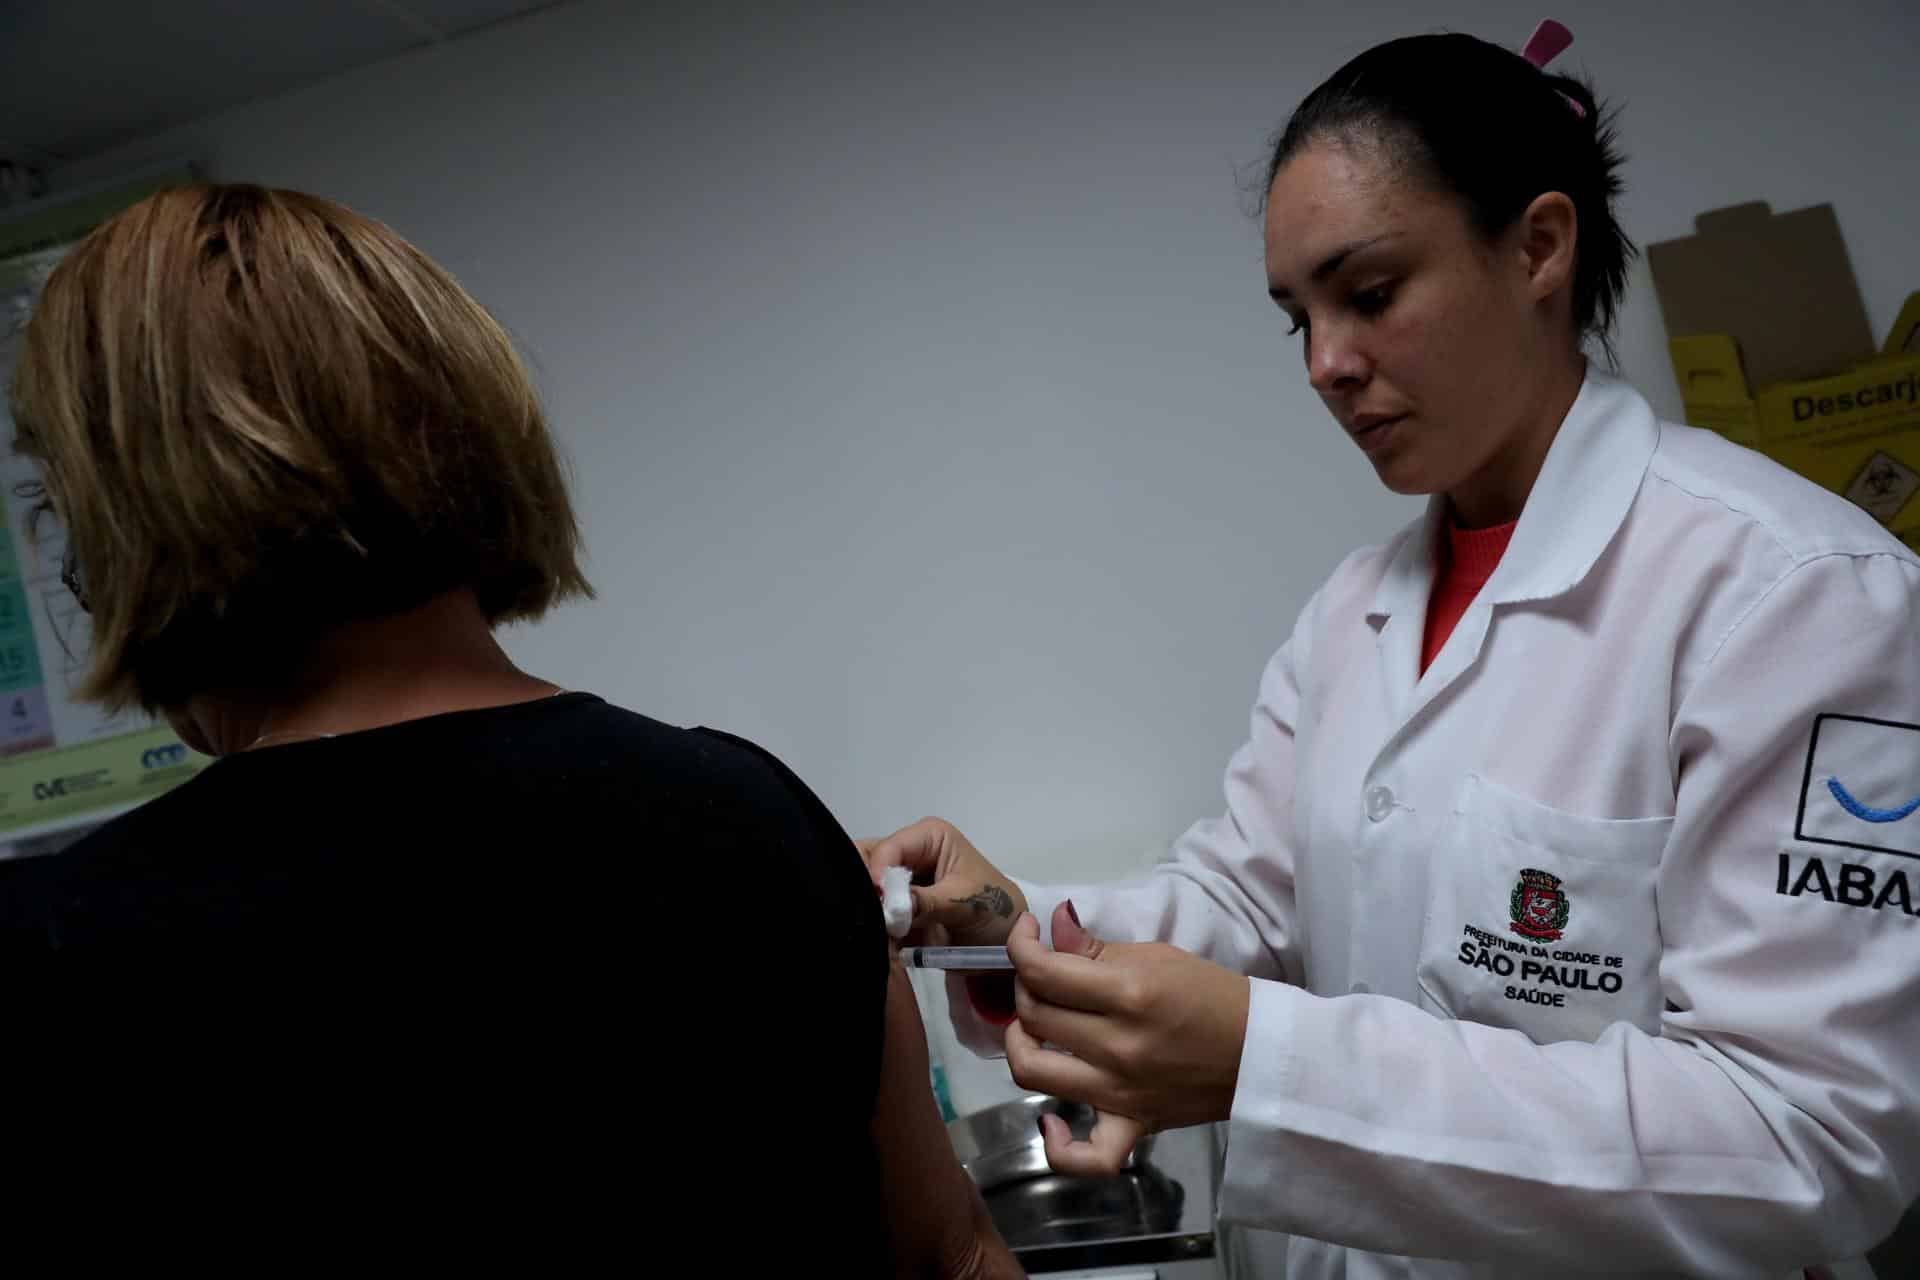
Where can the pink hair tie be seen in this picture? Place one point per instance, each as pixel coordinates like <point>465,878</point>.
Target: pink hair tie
<point>1548,41</point>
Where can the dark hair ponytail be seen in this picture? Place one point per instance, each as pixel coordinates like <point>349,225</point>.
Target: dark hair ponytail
<point>1481,122</point>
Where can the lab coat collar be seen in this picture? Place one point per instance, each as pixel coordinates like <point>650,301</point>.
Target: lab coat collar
<point>1588,482</point>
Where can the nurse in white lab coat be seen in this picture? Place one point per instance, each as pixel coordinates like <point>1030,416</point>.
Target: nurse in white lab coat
<point>1580,930</point>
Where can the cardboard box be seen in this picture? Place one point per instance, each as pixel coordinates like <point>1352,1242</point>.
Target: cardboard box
<point>1770,342</point>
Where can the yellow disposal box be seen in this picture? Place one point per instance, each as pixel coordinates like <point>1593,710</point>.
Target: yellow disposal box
<point>1770,343</point>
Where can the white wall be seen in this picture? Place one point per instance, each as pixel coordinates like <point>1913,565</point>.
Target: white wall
<point>930,422</point>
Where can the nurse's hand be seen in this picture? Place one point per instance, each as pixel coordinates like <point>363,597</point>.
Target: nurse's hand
<point>958,896</point>
<point>1147,1034</point>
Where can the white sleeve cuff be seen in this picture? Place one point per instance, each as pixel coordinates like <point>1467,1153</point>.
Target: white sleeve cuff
<point>1269,1063</point>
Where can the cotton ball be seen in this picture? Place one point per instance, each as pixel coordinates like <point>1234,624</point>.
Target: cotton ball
<point>896,900</point>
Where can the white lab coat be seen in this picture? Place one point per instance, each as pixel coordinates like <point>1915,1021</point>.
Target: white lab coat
<point>1568,953</point>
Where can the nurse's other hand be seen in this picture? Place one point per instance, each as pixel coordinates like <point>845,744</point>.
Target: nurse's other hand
<point>958,896</point>
<point>1141,1030</point>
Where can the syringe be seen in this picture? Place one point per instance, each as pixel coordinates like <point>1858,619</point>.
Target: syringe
<point>962,959</point>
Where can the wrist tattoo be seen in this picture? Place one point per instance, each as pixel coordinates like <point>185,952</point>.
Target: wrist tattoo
<point>991,900</point>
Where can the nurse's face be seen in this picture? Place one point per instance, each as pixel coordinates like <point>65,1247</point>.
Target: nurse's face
<point>1427,342</point>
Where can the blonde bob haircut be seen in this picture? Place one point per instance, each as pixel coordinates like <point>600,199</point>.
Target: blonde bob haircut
<point>259,414</point>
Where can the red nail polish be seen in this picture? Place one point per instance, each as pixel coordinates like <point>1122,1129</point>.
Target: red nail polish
<point>1071,913</point>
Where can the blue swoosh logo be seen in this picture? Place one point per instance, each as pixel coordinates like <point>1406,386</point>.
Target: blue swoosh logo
<point>1867,813</point>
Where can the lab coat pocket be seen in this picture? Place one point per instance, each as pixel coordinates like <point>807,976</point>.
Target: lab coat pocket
<point>1541,920</point>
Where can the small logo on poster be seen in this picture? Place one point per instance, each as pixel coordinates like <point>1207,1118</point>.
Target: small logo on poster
<point>1883,486</point>
<point>165,757</point>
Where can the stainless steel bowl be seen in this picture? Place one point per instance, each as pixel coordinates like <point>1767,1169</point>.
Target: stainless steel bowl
<point>1037,1212</point>
<point>1002,1144</point>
